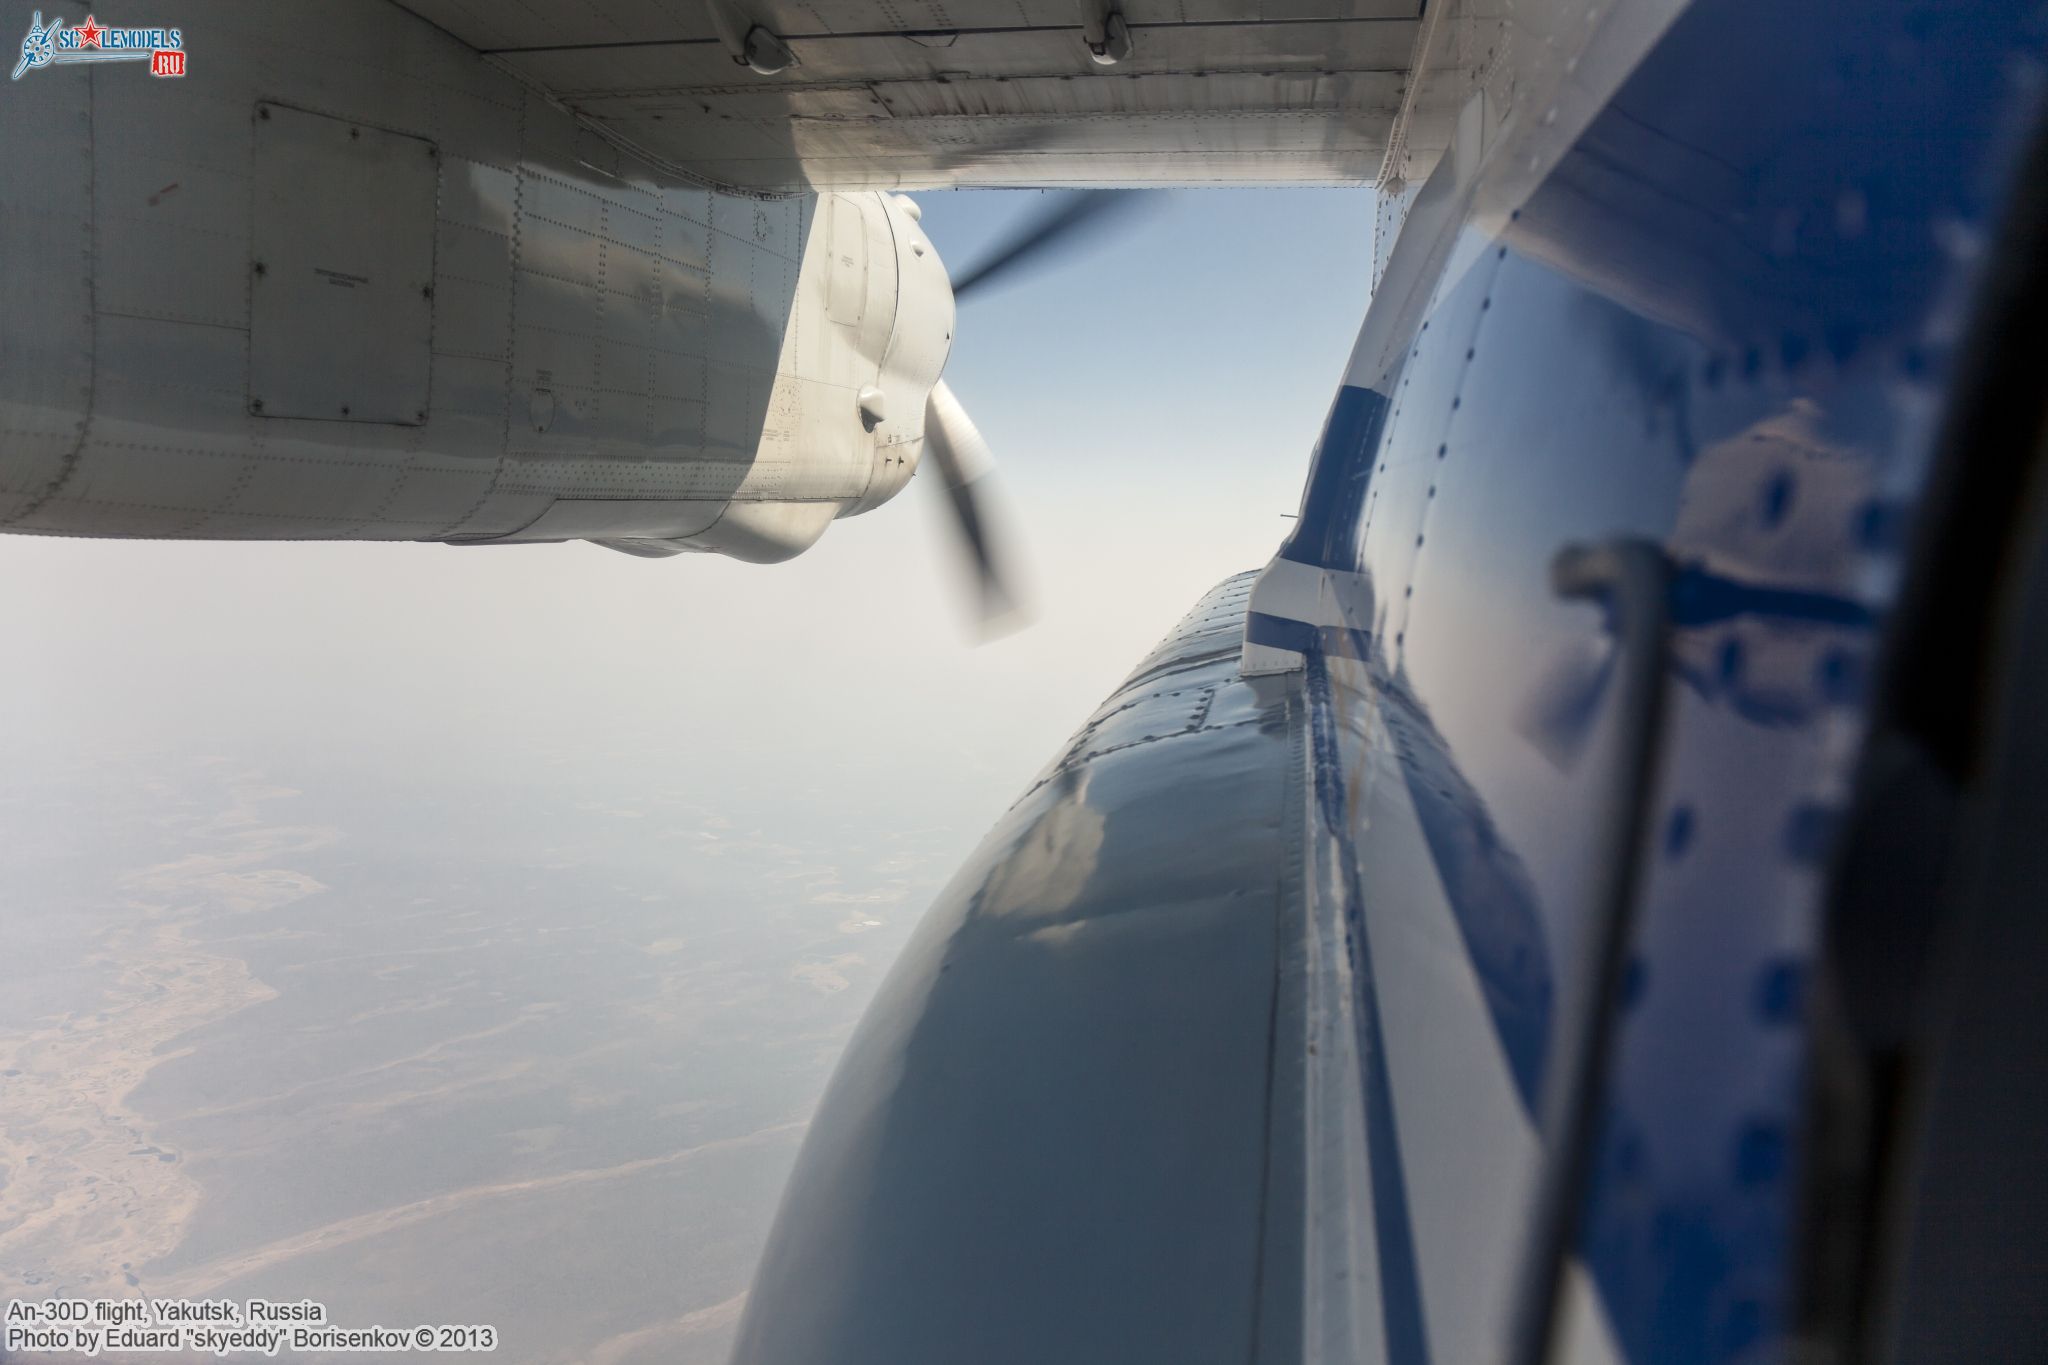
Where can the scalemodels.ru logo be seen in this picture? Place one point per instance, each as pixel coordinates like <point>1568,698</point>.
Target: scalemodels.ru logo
<point>91,41</point>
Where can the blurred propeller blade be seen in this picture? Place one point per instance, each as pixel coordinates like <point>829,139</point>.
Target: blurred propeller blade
<point>961,457</point>
<point>1558,717</point>
<point>1066,223</point>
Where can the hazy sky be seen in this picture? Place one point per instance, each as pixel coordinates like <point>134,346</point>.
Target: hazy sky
<point>1152,403</point>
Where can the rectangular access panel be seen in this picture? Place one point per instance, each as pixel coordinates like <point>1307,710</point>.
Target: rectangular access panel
<point>341,277</point>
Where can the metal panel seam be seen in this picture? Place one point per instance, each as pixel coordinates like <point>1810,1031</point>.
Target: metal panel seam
<point>68,466</point>
<point>1285,1112</point>
<point>511,337</point>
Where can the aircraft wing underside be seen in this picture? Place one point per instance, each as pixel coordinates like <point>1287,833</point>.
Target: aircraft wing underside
<point>887,94</point>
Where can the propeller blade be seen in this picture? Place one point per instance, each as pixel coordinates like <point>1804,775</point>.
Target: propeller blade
<point>961,457</point>
<point>1067,222</point>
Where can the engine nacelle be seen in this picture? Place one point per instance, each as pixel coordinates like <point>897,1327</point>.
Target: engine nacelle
<point>470,322</point>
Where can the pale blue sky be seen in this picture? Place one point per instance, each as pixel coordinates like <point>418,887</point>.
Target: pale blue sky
<point>1212,324</point>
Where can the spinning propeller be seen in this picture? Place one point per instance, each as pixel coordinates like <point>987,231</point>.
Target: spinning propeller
<point>951,441</point>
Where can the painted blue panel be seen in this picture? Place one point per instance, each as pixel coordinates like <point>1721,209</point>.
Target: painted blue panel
<point>1726,323</point>
<point>1336,476</point>
<point>1872,145</point>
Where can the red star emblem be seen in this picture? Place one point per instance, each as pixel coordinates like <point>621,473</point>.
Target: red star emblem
<point>89,32</point>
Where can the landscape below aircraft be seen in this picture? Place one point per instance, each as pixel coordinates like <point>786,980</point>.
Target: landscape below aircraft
<point>1583,899</point>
